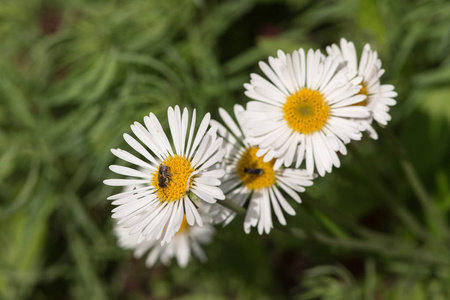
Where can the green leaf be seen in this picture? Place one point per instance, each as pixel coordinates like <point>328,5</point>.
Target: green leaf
<point>436,103</point>
<point>371,21</point>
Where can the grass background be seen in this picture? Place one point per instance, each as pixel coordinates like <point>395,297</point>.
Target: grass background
<point>75,74</point>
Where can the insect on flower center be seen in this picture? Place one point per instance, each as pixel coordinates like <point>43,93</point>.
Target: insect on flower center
<point>306,111</point>
<point>171,177</point>
<point>254,172</point>
<point>362,91</point>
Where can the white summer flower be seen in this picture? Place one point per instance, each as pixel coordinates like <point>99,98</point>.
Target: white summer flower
<point>303,112</point>
<point>249,178</point>
<point>379,97</point>
<point>170,174</point>
<point>187,240</point>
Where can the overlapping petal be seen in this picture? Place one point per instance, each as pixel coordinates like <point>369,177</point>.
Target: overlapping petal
<point>287,74</point>
<point>141,211</point>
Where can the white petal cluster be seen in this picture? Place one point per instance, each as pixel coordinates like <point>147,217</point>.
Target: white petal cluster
<point>183,245</point>
<point>261,201</point>
<point>380,97</point>
<point>288,74</point>
<point>140,210</point>
<point>305,108</point>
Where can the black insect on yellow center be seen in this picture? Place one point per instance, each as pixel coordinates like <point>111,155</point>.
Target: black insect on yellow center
<point>171,178</point>
<point>163,176</point>
<point>253,172</point>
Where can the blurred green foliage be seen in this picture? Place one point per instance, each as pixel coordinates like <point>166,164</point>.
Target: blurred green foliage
<point>73,76</point>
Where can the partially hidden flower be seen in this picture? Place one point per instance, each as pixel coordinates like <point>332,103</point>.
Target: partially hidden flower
<point>305,111</point>
<point>172,175</point>
<point>250,179</point>
<point>187,242</point>
<point>379,97</point>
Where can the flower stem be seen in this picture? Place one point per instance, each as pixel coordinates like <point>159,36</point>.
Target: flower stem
<point>232,206</point>
<point>388,247</point>
<point>409,170</point>
<point>416,184</point>
<point>380,187</point>
<point>395,249</point>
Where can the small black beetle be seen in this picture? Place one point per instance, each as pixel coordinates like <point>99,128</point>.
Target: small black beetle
<point>254,171</point>
<point>163,176</point>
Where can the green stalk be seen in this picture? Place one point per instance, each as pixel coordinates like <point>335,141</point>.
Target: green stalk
<point>409,170</point>
<point>394,249</point>
<point>416,184</point>
<point>380,187</point>
<point>388,248</point>
<point>232,206</point>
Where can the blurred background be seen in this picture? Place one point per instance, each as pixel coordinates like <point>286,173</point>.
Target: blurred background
<point>75,74</point>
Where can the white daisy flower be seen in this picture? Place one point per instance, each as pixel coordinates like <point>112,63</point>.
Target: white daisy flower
<point>379,97</point>
<point>303,112</point>
<point>251,178</point>
<point>188,239</point>
<point>173,175</point>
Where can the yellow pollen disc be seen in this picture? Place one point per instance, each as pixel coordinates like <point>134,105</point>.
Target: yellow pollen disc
<point>249,164</point>
<point>184,225</point>
<point>171,185</point>
<point>306,111</point>
<point>364,92</point>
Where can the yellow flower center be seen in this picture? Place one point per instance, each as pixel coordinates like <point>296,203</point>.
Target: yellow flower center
<point>184,225</point>
<point>306,111</point>
<point>170,179</point>
<point>364,92</point>
<point>254,172</point>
